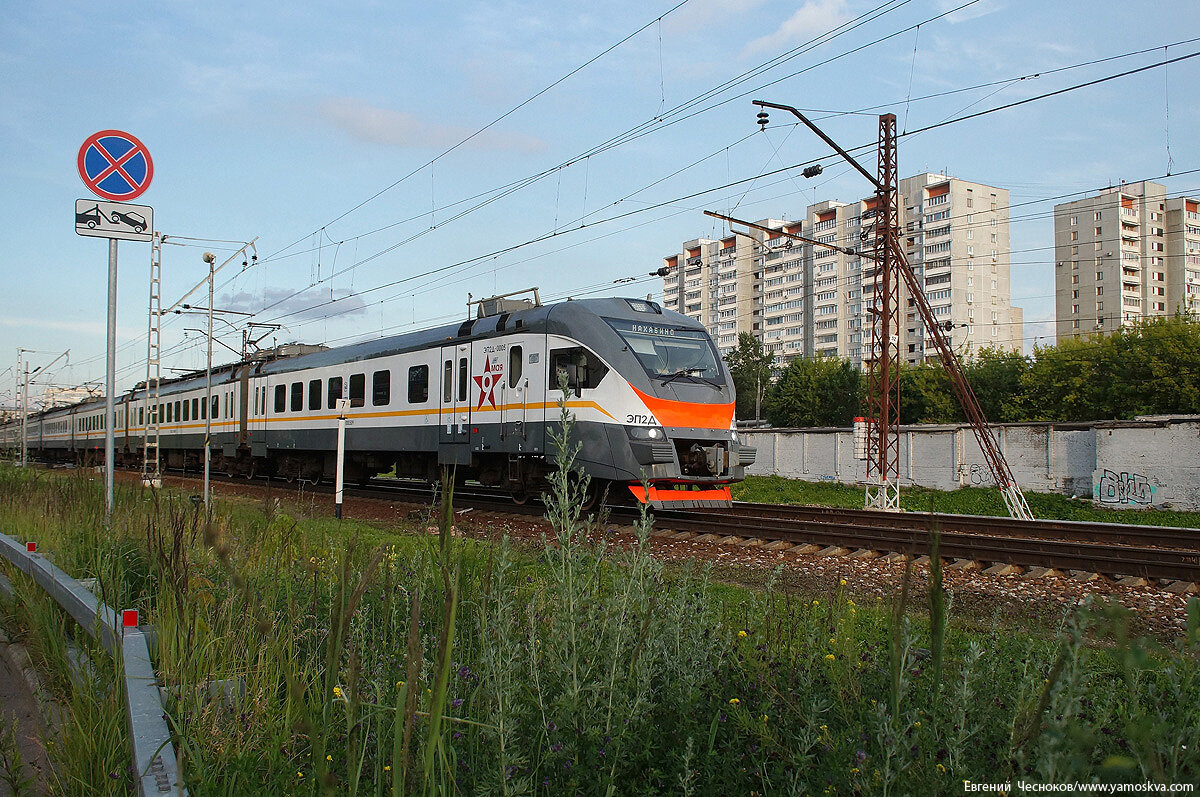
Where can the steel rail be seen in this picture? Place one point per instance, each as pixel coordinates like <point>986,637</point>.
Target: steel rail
<point>1156,563</point>
<point>1082,531</point>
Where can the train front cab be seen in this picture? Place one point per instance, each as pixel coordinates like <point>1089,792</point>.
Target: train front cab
<point>670,408</point>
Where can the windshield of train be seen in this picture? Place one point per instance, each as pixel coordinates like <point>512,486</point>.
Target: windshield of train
<point>672,352</point>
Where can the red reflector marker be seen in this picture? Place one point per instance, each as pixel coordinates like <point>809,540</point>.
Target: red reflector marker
<point>31,547</point>
<point>129,618</point>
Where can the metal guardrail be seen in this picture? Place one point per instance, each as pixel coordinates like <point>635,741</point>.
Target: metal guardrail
<point>149,737</point>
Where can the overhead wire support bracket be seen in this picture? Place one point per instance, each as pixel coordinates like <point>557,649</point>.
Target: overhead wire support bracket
<point>843,249</point>
<point>836,147</point>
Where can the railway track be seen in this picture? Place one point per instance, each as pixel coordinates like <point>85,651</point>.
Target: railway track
<point>1150,552</point>
<point>1111,549</point>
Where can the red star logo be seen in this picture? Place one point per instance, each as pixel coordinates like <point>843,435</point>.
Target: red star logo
<point>487,382</point>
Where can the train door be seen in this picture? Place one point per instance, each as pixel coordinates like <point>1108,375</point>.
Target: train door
<point>454,427</point>
<point>525,394</point>
<point>253,418</point>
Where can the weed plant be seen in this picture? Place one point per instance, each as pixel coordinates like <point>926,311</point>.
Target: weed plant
<point>321,657</point>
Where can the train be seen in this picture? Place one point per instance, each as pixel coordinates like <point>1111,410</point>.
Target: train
<point>652,402</point>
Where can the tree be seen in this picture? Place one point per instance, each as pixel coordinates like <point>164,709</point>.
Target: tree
<point>750,366</point>
<point>1150,368</point>
<point>995,376</point>
<point>926,395</point>
<point>820,392</point>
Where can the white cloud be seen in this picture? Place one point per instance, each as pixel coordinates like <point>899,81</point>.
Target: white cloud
<point>700,13</point>
<point>391,128</point>
<point>308,305</point>
<point>979,9</point>
<point>813,18</point>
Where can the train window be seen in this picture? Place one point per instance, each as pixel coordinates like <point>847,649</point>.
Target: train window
<point>335,392</point>
<point>186,415</point>
<point>358,390</point>
<point>314,394</point>
<point>216,407</point>
<point>196,415</point>
<point>381,388</point>
<point>141,416</point>
<point>418,384</point>
<point>462,378</point>
<point>583,370</point>
<point>176,412</point>
<point>280,398</point>
<point>515,361</point>
<point>297,396</point>
<point>448,381</point>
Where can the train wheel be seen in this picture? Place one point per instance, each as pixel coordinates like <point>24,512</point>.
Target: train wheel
<point>591,495</point>
<point>520,496</point>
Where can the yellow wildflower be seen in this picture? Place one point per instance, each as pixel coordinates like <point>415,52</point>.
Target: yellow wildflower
<point>765,718</point>
<point>853,770</point>
<point>917,724</point>
<point>941,769</point>
<point>299,774</point>
<point>816,603</point>
<point>328,758</point>
<point>830,657</point>
<point>741,634</point>
<point>832,641</point>
<point>851,603</point>
<point>842,583</point>
<point>387,767</point>
<point>337,692</point>
<point>733,701</point>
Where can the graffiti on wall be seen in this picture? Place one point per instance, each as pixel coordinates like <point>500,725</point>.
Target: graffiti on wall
<point>1125,489</point>
<point>976,475</point>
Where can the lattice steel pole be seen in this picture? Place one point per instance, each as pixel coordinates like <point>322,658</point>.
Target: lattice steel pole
<point>883,374</point>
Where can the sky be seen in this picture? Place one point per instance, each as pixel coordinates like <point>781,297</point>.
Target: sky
<point>390,159</point>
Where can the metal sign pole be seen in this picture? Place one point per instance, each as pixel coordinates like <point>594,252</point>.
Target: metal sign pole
<point>110,381</point>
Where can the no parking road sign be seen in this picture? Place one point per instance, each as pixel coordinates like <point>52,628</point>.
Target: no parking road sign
<point>115,165</point>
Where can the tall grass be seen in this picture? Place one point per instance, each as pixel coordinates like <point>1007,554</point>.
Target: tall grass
<point>318,657</point>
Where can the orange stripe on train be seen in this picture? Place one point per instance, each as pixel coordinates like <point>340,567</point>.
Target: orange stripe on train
<point>688,414</point>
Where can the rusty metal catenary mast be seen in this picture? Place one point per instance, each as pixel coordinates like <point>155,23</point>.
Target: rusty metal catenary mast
<point>883,375</point>
<point>883,369</point>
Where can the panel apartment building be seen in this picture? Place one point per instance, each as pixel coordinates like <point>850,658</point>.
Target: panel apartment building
<point>1128,253</point>
<point>803,300</point>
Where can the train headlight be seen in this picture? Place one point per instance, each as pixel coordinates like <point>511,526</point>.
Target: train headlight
<point>646,432</point>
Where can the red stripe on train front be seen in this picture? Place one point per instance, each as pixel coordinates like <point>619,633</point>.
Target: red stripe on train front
<point>683,499</point>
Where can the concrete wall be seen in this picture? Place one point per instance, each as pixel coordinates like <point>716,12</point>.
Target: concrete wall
<point>1123,464</point>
